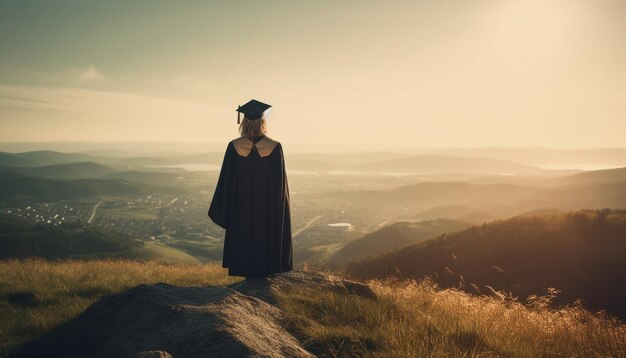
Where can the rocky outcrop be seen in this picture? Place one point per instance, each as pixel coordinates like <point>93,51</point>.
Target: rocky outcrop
<point>162,320</point>
<point>264,288</point>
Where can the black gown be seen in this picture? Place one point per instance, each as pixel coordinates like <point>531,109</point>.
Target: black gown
<point>251,202</point>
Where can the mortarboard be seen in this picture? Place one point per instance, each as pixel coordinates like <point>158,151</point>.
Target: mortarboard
<point>252,110</point>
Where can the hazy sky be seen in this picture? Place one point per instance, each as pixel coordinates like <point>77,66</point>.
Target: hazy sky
<point>373,74</point>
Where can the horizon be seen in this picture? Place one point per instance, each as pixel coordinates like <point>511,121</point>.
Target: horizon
<point>177,146</point>
<point>551,160</point>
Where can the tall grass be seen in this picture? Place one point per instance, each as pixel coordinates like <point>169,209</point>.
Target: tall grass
<point>408,319</point>
<point>411,319</point>
<point>36,295</point>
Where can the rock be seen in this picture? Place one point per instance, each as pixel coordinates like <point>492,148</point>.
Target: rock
<point>162,320</point>
<point>264,288</point>
<point>177,321</point>
<point>154,354</point>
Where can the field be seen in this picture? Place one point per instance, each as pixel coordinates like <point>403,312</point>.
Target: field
<point>407,319</point>
<point>36,295</point>
<point>161,252</point>
<point>411,319</point>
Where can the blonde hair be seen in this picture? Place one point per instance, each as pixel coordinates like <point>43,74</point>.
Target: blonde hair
<point>253,127</point>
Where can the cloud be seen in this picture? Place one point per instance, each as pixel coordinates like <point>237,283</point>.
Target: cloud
<point>37,113</point>
<point>91,74</point>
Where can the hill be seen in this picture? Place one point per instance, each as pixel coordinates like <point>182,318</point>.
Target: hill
<point>10,159</point>
<point>580,253</point>
<point>441,164</point>
<point>16,187</point>
<point>544,156</point>
<point>42,157</point>
<point>605,176</point>
<point>47,157</point>
<point>394,236</point>
<point>457,212</point>
<point>150,177</point>
<point>122,308</point>
<point>474,202</point>
<point>79,170</point>
<point>22,239</point>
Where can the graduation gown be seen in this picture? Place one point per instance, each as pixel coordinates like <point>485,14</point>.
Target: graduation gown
<point>251,201</point>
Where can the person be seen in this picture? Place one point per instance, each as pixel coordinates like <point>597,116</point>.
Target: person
<point>251,200</point>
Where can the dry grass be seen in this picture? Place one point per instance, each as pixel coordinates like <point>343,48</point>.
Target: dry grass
<point>36,295</point>
<point>408,319</point>
<point>411,319</point>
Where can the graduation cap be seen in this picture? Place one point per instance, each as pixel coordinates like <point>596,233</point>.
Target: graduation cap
<point>252,110</point>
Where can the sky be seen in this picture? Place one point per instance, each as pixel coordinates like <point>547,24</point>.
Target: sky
<point>364,74</point>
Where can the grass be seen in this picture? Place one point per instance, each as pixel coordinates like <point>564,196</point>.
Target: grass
<point>161,252</point>
<point>408,319</point>
<point>411,319</point>
<point>36,295</point>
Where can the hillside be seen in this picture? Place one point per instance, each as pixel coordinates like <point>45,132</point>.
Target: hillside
<point>15,187</point>
<point>124,308</point>
<point>143,176</point>
<point>476,203</point>
<point>22,239</point>
<point>42,157</point>
<point>47,157</point>
<point>79,170</point>
<point>393,236</point>
<point>581,253</point>
<point>617,175</point>
<point>456,212</point>
<point>544,156</point>
<point>440,164</point>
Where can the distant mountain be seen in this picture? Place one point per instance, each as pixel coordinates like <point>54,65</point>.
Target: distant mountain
<point>429,194</point>
<point>457,212</point>
<point>599,189</point>
<point>46,158</point>
<point>442,191</point>
<point>151,177</point>
<point>581,253</point>
<point>203,158</point>
<point>43,157</point>
<point>542,156</point>
<point>17,187</point>
<point>440,164</point>
<point>404,163</point>
<point>591,196</point>
<point>336,161</point>
<point>394,236</point>
<point>595,177</point>
<point>62,171</point>
<point>11,160</point>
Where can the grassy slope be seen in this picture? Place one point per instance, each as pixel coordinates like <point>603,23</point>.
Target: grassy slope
<point>408,319</point>
<point>580,253</point>
<point>412,319</point>
<point>161,252</point>
<point>36,295</point>
<point>395,235</point>
<point>14,187</point>
<point>23,239</point>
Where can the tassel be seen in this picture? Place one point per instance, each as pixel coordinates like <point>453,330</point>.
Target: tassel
<point>238,115</point>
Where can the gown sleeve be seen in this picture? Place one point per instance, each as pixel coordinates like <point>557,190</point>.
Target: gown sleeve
<point>284,215</point>
<point>219,211</point>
